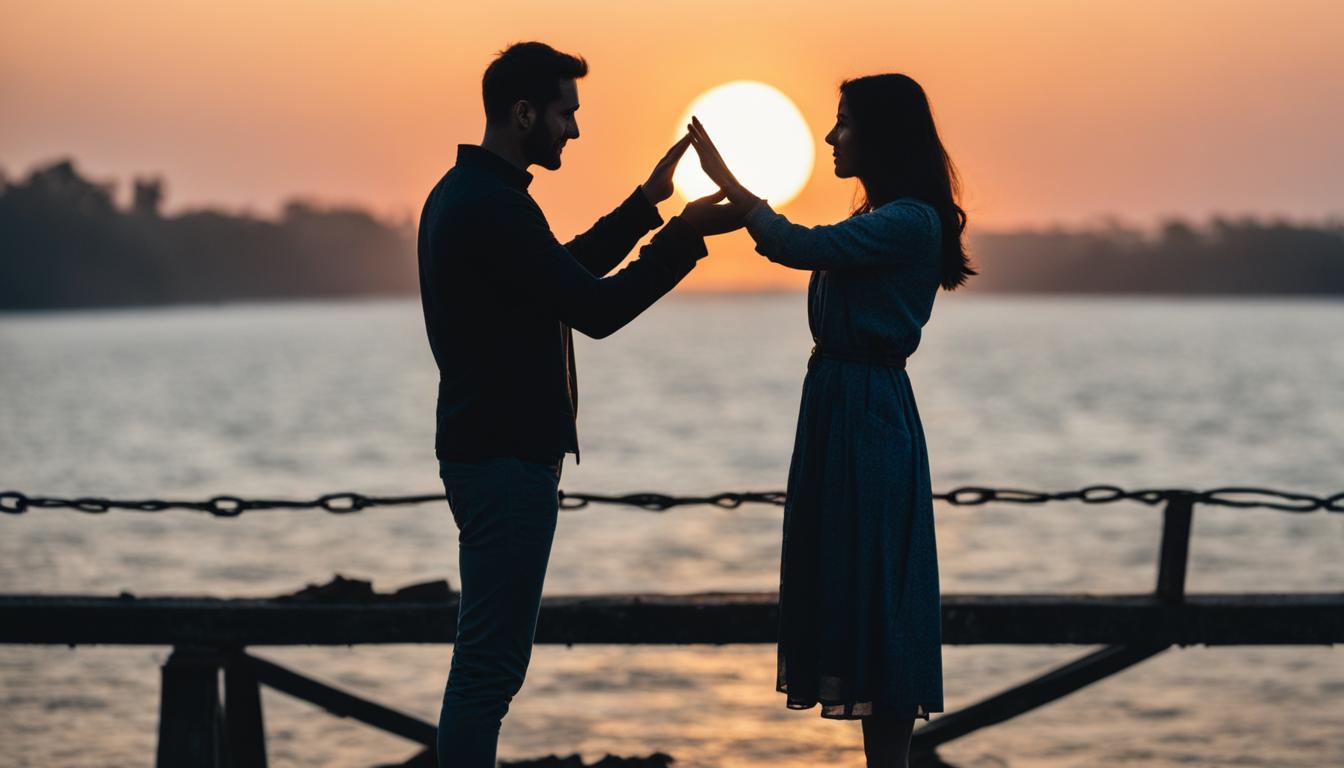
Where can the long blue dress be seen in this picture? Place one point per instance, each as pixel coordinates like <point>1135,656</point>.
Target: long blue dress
<point>860,617</point>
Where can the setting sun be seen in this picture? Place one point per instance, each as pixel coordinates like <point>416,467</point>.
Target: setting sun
<point>762,136</point>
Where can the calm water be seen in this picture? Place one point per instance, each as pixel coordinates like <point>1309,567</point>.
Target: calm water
<point>698,395</point>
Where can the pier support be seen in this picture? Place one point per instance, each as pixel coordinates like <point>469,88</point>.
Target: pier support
<point>1175,553</point>
<point>196,727</point>
<point>1055,684</point>
<point>340,703</point>
<point>190,717</point>
<point>1172,563</point>
<point>245,746</point>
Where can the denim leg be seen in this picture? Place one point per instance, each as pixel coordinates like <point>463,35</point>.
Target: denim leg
<point>506,514</point>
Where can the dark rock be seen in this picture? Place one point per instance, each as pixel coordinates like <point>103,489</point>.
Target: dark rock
<point>343,590</point>
<point>428,592</point>
<point>338,590</point>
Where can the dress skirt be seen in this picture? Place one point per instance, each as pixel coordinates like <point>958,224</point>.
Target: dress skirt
<point>860,613</point>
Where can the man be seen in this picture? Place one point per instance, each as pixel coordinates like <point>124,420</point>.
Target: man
<point>500,295</point>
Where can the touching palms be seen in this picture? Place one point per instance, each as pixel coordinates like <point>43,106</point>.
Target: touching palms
<point>717,170</point>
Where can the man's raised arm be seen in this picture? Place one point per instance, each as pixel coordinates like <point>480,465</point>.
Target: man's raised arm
<point>533,266</point>
<point>608,241</point>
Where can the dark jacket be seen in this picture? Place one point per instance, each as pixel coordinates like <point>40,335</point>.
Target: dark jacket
<point>500,295</point>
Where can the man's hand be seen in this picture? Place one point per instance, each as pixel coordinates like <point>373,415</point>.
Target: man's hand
<point>707,218</point>
<point>659,186</point>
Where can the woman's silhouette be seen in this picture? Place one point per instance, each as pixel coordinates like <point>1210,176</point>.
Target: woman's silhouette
<point>860,618</point>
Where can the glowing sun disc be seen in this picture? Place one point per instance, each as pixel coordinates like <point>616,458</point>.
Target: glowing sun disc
<point>761,135</point>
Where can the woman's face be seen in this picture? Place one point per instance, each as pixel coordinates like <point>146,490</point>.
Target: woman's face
<point>841,139</point>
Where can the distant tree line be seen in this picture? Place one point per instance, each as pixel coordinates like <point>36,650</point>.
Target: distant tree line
<point>1225,256</point>
<point>65,243</point>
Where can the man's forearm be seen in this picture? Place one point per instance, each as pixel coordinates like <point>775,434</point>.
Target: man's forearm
<point>620,298</point>
<point>613,236</point>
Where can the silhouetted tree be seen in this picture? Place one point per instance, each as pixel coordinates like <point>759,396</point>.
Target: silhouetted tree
<point>148,197</point>
<point>64,243</point>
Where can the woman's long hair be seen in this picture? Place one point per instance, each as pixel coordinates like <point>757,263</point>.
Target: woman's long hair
<point>900,155</point>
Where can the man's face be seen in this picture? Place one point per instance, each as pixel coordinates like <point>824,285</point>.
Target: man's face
<point>555,125</point>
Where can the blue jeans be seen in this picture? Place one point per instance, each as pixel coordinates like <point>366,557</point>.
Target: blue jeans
<point>505,510</point>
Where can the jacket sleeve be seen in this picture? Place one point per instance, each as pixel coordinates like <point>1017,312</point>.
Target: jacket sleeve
<point>608,241</point>
<point>527,262</point>
<point>893,234</point>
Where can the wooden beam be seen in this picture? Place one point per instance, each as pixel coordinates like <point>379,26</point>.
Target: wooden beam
<point>1175,552</point>
<point>422,759</point>
<point>1053,685</point>
<point>340,703</point>
<point>189,710</point>
<point>243,727</point>
<point>713,618</point>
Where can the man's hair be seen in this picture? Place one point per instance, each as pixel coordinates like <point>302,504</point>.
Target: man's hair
<point>528,72</point>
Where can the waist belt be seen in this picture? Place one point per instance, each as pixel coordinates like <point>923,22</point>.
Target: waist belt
<point>858,355</point>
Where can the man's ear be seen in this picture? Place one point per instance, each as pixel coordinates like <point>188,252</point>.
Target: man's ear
<point>524,115</point>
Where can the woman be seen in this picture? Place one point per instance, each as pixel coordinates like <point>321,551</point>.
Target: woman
<point>860,617</point>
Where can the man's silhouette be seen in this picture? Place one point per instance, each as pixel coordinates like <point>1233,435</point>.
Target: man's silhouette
<point>500,295</point>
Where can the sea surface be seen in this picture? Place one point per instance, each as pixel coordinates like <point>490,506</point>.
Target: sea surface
<point>698,395</point>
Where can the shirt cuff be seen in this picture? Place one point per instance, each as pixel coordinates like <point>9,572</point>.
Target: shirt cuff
<point>642,209</point>
<point>684,239</point>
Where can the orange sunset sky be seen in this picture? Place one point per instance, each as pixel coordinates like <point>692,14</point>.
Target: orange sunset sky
<point>1056,112</point>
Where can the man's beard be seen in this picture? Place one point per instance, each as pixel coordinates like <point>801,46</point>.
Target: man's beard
<point>541,147</point>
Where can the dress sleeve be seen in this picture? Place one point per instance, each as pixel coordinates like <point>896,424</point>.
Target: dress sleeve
<point>896,233</point>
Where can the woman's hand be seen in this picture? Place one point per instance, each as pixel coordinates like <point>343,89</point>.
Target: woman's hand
<point>717,170</point>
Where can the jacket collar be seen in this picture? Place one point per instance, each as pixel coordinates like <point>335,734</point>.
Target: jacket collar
<point>480,157</point>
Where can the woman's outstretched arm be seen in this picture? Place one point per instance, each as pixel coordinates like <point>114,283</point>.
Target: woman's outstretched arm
<point>893,234</point>
<point>896,232</point>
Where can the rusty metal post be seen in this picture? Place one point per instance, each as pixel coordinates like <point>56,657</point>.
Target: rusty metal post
<point>1175,552</point>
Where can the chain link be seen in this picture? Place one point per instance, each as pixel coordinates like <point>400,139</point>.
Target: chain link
<point>17,503</point>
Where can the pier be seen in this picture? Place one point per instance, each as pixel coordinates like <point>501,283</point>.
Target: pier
<point>206,721</point>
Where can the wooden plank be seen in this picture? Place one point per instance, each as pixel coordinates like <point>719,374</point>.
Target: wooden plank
<point>715,618</point>
<point>340,703</point>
